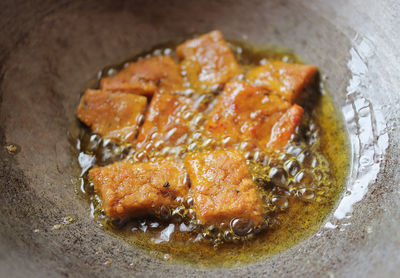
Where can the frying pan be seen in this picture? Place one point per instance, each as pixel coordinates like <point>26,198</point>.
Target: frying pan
<point>50,49</point>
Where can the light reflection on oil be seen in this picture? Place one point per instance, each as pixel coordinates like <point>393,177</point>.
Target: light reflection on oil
<point>366,127</point>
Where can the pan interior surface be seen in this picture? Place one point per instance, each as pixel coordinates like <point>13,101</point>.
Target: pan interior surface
<point>49,51</point>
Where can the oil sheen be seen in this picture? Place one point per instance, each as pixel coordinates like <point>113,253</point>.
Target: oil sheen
<point>302,183</point>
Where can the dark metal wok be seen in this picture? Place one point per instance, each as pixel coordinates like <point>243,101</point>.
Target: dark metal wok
<point>50,49</point>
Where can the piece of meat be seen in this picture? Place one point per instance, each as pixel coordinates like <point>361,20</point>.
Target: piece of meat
<point>145,76</point>
<point>284,79</point>
<point>165,120</point>
<point>208,61</point>
<point>223,188</point>
<point>132,190</point>
<point>285,127</point>
<point>248,113</point>
<point>112,115</point>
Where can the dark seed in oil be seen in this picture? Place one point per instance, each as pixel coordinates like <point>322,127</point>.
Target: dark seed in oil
<point>165,212</point>
<point>119,223</point>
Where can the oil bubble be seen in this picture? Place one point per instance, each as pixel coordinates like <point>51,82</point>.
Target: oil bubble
<point>292,167</point>
<point>278,176</point>
<point>280,202</point>
<point>304,179</point>
<point>308,159</point>
<point>241,226</point>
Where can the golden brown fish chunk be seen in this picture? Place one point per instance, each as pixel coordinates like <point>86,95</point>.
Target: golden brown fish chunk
<point>132,190</point>
<point>145,76</point>
<point>284,79</point>
<point>165,120</point>
<point>222,188</point>
<point>247,113</point>
<point>208,60</point>
<point>112,115</point>
<point>285,127</point>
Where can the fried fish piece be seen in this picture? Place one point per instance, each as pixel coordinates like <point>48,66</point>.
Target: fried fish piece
<point>146,76</point>
<point>287,80</point>
<point>208,60</point>
<point>250,114</point>
<point>223,188</point>
<point>132,190</point>
<point>285,127</point>
<point>112,115</point>
<point>165,120</point>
